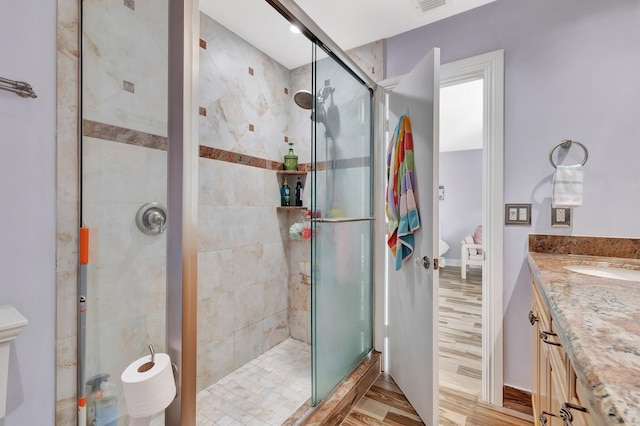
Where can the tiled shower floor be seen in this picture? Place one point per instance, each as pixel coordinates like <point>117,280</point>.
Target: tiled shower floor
<point>265,391</point>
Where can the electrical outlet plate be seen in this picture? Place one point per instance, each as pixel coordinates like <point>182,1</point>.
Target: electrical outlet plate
<point>560,217</point>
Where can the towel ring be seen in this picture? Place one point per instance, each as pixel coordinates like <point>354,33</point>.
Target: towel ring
<point>566,144</point>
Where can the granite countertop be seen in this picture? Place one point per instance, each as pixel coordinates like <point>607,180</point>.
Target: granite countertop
<point>599,322</point>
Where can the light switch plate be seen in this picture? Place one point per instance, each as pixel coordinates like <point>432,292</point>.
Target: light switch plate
<point>517,214</point>
<point>560,217</point>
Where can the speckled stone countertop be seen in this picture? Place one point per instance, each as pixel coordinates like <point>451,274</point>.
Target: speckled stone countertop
<point>599,322</point>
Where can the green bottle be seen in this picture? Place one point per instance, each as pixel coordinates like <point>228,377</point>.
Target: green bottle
<point>291,159</point>
<point>285,193</point>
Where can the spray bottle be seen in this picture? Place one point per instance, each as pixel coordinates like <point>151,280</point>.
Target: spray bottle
<point>102,403</point>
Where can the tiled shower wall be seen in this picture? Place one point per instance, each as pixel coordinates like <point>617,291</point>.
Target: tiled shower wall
<point>242,309</point>
<point>243,280</point>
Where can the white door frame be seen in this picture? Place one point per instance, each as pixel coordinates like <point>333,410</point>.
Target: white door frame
<point>489,67</point>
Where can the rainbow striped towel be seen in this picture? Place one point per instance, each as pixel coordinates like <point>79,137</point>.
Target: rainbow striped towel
<point>401,208</point>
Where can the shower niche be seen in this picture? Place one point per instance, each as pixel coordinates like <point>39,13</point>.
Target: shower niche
<point>292,177</point>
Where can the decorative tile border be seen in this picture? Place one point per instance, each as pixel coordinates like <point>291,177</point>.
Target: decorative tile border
<point>112,133</point>
<point>108,132</point>
<point>628,248</point>
<point>237,158</point>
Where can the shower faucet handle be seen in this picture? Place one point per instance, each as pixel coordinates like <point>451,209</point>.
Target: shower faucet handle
<point>152,219</point>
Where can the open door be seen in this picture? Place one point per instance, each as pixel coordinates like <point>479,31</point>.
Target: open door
<point>413,290</point>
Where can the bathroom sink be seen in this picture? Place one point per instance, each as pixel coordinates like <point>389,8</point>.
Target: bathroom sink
<point>606,272</point>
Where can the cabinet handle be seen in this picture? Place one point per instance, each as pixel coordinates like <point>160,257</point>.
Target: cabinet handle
<point>565,413</point>
<point>543,417</point>
<point>566,416</point>
<point>544,335</point>
<point>532,318</point>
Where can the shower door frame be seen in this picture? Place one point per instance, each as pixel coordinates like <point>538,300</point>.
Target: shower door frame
<point>182,185</point>
<point>182,206</point>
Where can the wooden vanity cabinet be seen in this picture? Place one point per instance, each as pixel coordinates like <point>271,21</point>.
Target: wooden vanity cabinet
<point>554,396</point>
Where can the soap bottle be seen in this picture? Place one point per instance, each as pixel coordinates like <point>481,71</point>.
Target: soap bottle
<point>107,405</point>
<point>291,159</point>
<point>285,193</point>
<point>102,404</point>
<point>299,190</point>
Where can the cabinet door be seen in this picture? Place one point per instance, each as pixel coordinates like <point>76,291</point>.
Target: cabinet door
<point>544,386</point>
<point>555,399</point>
<point>535,359</point>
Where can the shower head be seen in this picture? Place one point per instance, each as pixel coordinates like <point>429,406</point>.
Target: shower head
<point>319,115</point>
<point>303,99</point>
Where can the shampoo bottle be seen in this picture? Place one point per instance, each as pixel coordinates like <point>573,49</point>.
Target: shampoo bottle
<point>291,159</point>
<point>285,193</point>
<point>299,190</point>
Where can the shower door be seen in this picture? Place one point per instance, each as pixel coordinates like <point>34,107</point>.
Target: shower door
<point>123,169</point>
<point>342,289</point>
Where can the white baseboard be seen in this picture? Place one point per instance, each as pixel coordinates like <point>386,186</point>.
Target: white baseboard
<point>452,262</point>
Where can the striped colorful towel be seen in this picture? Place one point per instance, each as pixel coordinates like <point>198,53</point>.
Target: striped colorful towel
<point>567,186</point>
<point>401,208</point>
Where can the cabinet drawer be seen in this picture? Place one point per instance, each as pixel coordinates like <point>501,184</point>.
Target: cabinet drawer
<point>559,362</point>
<point>542,312</point>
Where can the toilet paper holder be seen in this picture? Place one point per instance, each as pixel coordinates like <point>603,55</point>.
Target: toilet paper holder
<point>147,366</point>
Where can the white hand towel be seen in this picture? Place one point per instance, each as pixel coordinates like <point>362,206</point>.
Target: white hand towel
<point>567,186</point>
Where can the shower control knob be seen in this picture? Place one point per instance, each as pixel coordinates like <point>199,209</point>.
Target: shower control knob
<point>152,219</point>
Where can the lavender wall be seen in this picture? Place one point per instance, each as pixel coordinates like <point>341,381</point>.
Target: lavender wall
<point>27,196</point>
<point>571,72</point>
<point>461,209</point>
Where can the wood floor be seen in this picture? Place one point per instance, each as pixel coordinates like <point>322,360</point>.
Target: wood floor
<point>460,337</point>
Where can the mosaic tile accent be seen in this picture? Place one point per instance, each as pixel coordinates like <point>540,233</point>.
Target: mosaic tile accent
<point>203,44</point>
<point>265,391</point>
<point>252,128</point>
<point>286,91</point>
<point>128,86</point>
<point>202,111</point>
<point>251,72</point>
<point>131,4</point>
<point>581,245</point>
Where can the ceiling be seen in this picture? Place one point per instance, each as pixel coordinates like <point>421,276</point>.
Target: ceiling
<point>350,23</point>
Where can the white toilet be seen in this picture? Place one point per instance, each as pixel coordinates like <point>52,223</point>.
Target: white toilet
<point>11,324</point>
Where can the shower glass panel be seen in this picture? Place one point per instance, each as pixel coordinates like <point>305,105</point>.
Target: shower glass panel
<point>123,168</point>
<point>342,324</point>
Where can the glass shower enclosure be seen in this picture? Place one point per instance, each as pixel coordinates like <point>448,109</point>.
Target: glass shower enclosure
<point>341,205</point>
<point>125,158</point>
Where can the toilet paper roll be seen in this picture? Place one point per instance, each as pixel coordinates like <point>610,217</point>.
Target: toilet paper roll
<point>148,387</point>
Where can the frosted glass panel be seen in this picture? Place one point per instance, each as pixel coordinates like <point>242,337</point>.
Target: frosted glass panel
<point>341,247</point>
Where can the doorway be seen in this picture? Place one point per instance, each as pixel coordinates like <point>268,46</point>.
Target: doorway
<point>488,67</point>
<point>460,204</point>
